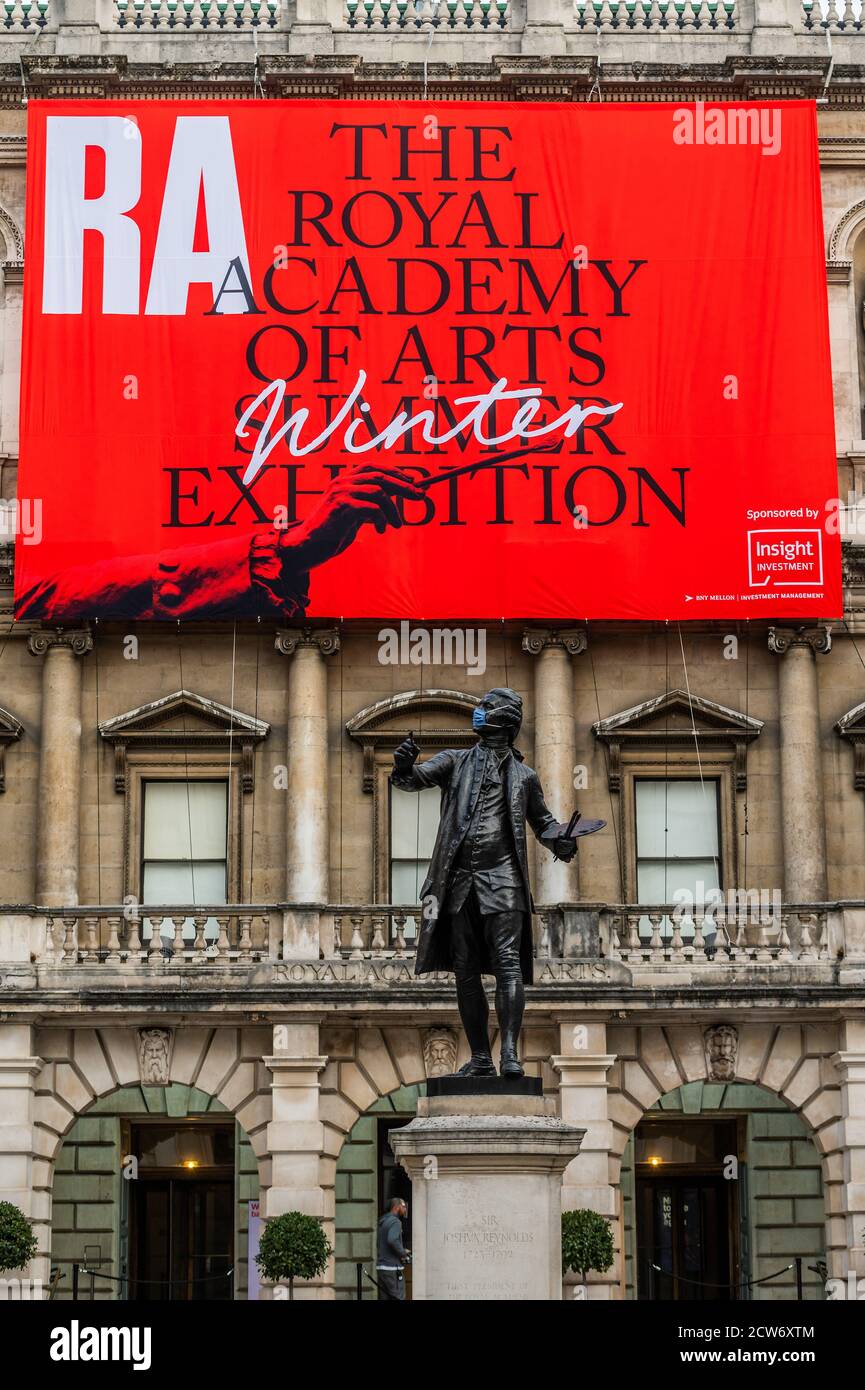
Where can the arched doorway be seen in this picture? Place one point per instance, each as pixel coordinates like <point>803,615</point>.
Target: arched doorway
<point>722,1188</point>
<point>367,1176</point>
<point>151,1199</point>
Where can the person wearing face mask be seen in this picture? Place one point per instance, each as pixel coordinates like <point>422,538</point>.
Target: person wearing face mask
<point>476,897</point>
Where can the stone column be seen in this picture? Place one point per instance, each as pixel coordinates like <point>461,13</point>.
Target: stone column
<point>295,1135</point>
<point>18,1072</point>
<point>583,1064</point>
<point>59,765</point>
<point>307,845</point>
<point>555,749</point>
<point>850,1064</point>
<point>803,820</point>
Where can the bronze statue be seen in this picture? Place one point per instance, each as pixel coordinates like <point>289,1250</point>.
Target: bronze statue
<point>476,899</point>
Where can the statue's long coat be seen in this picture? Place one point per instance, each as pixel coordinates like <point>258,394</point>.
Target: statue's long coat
<point>459,773</point>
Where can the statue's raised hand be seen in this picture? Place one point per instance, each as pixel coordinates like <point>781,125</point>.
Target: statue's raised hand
<point>406,755</point>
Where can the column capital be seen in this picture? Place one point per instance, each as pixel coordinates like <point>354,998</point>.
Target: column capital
<point>781,639</point>
<point>79,641</point>
<point>325,638</point>
<point>538,639</point>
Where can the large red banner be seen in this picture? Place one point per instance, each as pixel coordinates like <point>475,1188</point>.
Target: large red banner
<point>359,359</point>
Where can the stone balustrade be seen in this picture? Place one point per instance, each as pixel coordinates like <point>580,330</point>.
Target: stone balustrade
<point>714,935</point>
<point>657,15</point>
<point>335,26</point>
<point>197,14</point>
<point>427,14</point>
<point>629,941</point>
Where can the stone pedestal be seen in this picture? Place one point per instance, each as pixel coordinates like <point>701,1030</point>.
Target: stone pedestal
<point>486,1163</point>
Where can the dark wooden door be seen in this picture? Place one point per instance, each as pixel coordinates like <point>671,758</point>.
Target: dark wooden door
<point>182,1239</point>
<point>683,1228</point>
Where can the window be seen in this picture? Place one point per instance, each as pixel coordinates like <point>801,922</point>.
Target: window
<point>414,819</point>
<point>184,858</point>
<point>677,840</point>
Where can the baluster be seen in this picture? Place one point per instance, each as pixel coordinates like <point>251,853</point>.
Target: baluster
<point>378,945</point>
<point>399,922</point>
<point>615,942</point>
<point>337,936</point>
<point>823,943</point>
<point>199,945</point>
<point>245,940</point>
<point>784,952</point>
<point>806,941</point>
<point>634,943</point>
<point>676,943</point>
<point>356,951</point>
<point>134,948</point>
<point>742,935</point>
<point>656,945</point>
<point>113,952</point>
<point>223,945</point>
<point>763,952</point>
<point>91,952</point>
<point>154,955</point>
<point>699,943</point>
<point>70,948</point>
<point>49,955</point>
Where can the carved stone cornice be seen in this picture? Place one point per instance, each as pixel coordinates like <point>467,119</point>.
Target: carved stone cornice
<point>537,639</point>
<point>781,639</point>
<point>79,640</point>
<point>325,638</point>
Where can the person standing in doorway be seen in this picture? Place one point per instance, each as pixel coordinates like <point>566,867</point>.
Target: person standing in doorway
<point>391,1254</point>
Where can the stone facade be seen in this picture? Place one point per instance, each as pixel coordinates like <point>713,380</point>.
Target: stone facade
<point>298,1014</point>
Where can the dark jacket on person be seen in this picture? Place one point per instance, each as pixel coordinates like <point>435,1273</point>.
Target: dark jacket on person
<point>391,1250</point>
<point>459,773</point>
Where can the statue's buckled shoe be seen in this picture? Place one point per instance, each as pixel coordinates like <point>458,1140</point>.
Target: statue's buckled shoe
<point>511,1065</point>
<point>479,1064</point>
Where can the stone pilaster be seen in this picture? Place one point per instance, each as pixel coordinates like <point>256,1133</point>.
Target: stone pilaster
<point>295,1135</point>
<point>850,1065</point>
<point>582,1065</point>
<point>307,812</point>
<point>18,1072</point>
<point>555,748</point>
<point>59,765</point>
<point>803,820</point>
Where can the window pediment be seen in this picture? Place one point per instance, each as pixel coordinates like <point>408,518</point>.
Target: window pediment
<point>183,719</point>
<point>676,719</point>
<point>10,730</point>
<point>851,726</point>
<point>438,719</point>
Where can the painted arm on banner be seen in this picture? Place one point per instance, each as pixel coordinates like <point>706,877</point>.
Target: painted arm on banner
<point>244,576</point>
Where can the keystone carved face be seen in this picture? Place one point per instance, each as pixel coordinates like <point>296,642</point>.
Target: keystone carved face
<point>722,1045</point>
<point>439,1052</point>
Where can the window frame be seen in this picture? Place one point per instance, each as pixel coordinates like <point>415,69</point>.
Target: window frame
<point>680,764</point>
<point>647,858</point>
<point>198,765</point>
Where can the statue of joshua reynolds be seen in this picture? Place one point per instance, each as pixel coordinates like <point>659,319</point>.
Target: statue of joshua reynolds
<point>478,882</point>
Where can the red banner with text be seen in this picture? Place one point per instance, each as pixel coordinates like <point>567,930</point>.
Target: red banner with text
<point>419,360</point>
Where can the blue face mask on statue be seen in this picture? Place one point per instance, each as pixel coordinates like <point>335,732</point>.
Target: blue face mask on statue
<point>479,717</point>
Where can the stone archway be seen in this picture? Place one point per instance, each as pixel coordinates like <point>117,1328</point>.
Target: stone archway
<point>773,1200</point>
<point>83,1065</point>
<point>792,1061</point>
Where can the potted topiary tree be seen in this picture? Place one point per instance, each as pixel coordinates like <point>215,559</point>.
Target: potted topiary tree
<point>293,1246</point>
<point>587,1243</point>
<point>18,1244</point>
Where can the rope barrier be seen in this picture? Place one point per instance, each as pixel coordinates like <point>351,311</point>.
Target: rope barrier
<point>709,1284</point>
